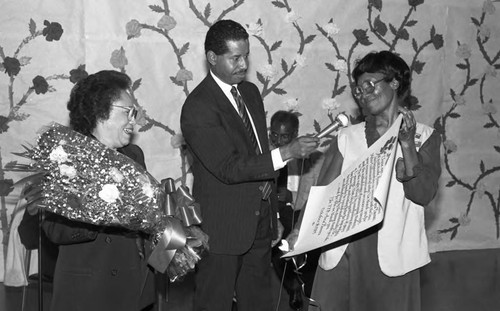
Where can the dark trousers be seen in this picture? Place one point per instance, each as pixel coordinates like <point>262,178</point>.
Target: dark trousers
<point>285,269</point>
<point>29,234</point>
<point>220,276</point>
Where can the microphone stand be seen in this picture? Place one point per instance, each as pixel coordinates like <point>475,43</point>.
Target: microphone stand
<point>40,278</point>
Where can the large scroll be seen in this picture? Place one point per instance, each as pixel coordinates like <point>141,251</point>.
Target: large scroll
<point>354,201</point>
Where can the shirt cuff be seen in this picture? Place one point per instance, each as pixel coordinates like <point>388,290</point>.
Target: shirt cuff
<point>278,162</point>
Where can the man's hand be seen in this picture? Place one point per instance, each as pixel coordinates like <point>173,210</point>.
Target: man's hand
<point>298,148</point>
<point>280,234</point>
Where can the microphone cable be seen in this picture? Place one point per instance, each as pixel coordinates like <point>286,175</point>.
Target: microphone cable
<point>297,267</point>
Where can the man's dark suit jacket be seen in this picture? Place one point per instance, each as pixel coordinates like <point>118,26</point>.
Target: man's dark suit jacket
<point>99,268</point>
<point>228,173</point>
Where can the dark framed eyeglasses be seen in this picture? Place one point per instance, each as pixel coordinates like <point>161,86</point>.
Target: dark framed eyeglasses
<point>131,112</point>
<point>366,87</point>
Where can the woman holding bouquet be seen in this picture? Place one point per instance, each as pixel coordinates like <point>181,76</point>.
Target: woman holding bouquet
<point>100,267</point>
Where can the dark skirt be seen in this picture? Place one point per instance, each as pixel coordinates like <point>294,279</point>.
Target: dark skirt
<point>358,284</point>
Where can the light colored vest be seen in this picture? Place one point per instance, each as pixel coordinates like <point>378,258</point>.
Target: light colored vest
<point>402,242</point>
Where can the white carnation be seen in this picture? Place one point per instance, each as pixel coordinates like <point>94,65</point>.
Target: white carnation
<point>109,193</point>
<point>67,170</point>
<point>58,155</point>
<point>116,175</point>
<point>148,190</point>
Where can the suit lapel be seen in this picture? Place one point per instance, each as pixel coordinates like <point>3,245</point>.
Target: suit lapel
<point>227,110</point>
<point>220,99</point>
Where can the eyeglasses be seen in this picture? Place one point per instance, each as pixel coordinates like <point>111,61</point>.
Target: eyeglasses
<point>131,112</point>
<point>280,138</point>
<point>366,88</point>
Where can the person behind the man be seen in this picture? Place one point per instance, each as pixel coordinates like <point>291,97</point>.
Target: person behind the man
<point>294,183</point>
<point>224,124</point>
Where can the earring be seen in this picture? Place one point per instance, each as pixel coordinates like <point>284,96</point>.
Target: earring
<point>394,84</point>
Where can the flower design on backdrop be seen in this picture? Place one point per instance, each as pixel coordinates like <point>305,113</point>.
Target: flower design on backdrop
<point>296,42</point>
<point>79,178</point>
<point>41,85</point>
<point>164,26</point>
<point>482,187</point>
<point>119,61</point>
<point>388,34</point>
<point>12,65</point>
<point>272,74</point>
<point>269,75</point>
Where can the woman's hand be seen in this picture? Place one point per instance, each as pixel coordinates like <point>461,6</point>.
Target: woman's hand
<point>408,127</point>
<point>404,166</point>
<point>292,238</point>
<point>280,234</point>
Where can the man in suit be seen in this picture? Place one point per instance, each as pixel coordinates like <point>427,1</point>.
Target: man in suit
<point>224,124</point>
<point>293,185</point>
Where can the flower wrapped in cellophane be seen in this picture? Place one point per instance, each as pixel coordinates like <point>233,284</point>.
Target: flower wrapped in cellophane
<point>81,179</point>
<point>186,258</point>
<point>182,205</point>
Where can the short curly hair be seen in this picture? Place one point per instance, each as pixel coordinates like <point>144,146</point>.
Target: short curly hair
<point>286,117</point>
<point>389,64</point>
<point>91,99</point>
<point>221,32</point>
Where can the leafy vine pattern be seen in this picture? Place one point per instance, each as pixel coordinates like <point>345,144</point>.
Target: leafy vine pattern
<point>12,66</point>
<point>477,188</point>
<point>268,75</point>
<point>208,11</point>
<point>384,31</point>
<point>165,24</point>
<point>379,29</point>
<point>119,61</point>
<point>268,72</point>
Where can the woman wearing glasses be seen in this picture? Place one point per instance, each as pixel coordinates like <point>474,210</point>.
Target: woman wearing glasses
<point>377,269</point>
<point>101,268</point>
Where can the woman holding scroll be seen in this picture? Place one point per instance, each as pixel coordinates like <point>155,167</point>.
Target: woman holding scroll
<point>378,269</point>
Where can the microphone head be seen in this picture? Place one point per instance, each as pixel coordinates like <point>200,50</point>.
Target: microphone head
<point>343,119</point>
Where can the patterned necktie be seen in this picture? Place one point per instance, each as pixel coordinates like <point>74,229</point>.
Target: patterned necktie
<point>242,110</point>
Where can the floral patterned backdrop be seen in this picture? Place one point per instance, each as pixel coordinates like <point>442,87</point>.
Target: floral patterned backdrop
<point>302,53</point>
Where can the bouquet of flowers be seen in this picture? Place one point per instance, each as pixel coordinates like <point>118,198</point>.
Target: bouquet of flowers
<point>81,179</point>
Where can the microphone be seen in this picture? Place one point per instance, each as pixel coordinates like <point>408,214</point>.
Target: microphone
<point>341,120</point>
